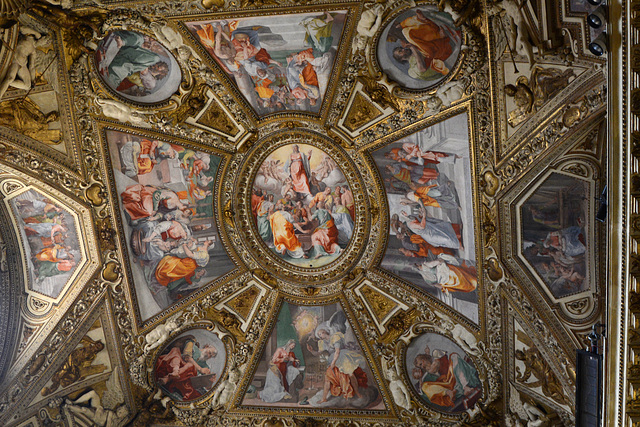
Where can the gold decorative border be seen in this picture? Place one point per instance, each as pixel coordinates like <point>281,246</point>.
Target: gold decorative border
<point>116,216</point>
<point>236,407</point>
<point>474,160</point>
<point>512,197</point>
<point>129,20</point>
<point>245,227</point>
<point>463,62</point>
<point>229,84</point>
<point>227,340</point>
<point>514,314</point>
<point>481,365</point>
<point>623,405</point>
<point>81,220</point>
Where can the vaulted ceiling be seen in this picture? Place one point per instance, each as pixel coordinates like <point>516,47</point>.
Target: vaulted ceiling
<point>299,212</point>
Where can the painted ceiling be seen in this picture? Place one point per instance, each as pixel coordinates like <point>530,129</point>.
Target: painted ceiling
<point>298,213</point>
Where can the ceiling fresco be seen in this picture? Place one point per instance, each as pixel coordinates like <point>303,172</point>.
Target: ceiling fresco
<point>278,213</point>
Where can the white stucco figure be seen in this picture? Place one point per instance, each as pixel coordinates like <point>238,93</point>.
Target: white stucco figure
<point>518,34</point>
<point>159,335</point>
<point>461,335</point>
<point>369,23</point>
<point>228,387</point>
<point>397,388</point>
<point>450,92</point>
<point>22,70</point>
<point>109,411</point>
<point>121,112</point>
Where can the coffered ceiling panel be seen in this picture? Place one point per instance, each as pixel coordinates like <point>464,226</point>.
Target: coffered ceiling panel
<point>298,213</point>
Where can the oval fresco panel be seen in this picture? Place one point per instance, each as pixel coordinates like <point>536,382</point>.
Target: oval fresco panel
<point>420,47</point>
<point>137,67</point>
<point>191,365</point>
<point>303,205</point>
<point>442,374</point>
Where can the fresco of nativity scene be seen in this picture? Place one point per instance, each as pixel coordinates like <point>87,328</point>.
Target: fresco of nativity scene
<point>427,177</point>
<point>278,63</point>
<point>190,365</point>
<point>420,47</point>
<point>442,374</point>
<point>553,234</point>
<point>312,359</point>
<point>50,239</point>
<point>303,205</point>
<point>166,194</point>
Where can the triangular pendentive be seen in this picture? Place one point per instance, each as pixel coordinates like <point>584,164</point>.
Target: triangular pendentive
<point>278,63</point>
<point>313,360</point>
<point>428,180</point>
<point>244,303</point>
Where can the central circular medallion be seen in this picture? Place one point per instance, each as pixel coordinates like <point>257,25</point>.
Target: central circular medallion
<point>303,205</point>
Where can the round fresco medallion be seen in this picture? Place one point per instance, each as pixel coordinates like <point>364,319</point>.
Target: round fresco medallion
<point>190,365</point>
<point>137,67</point>
<point>442,374</point>
<point>420,47</point>
<point>303,205</point>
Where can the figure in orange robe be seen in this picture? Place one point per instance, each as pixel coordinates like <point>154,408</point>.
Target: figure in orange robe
<point>143,201</point>
<point>429,39</point>
<point>255,203</point>
<point>53,254</point>
<point>446,274</point>
<point>299,170</point>
<point>284,236</point>
<point>173,271</point>
<point>145,160</point>
<point>422,194</point>
<point>138,201</point>
<point>415,246</point>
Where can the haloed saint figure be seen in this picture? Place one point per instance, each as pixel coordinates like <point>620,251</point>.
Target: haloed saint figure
<point>303,205</point>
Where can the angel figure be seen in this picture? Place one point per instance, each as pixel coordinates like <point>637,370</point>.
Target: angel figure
<point>448,274</point>
<point>537,371</point>
<point>225,391</point>
<point>370,20</point>
<point>22,71</point>
<point>78,365</point>
<point>518,33</point>
<point>397,388</point>
<point>110,411</point>
<point>523,98</point>
<point>527,410</point>
<point>462,336</point>
<point>26,117</point>
<point>345,376</point>
<point>160,334</point>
